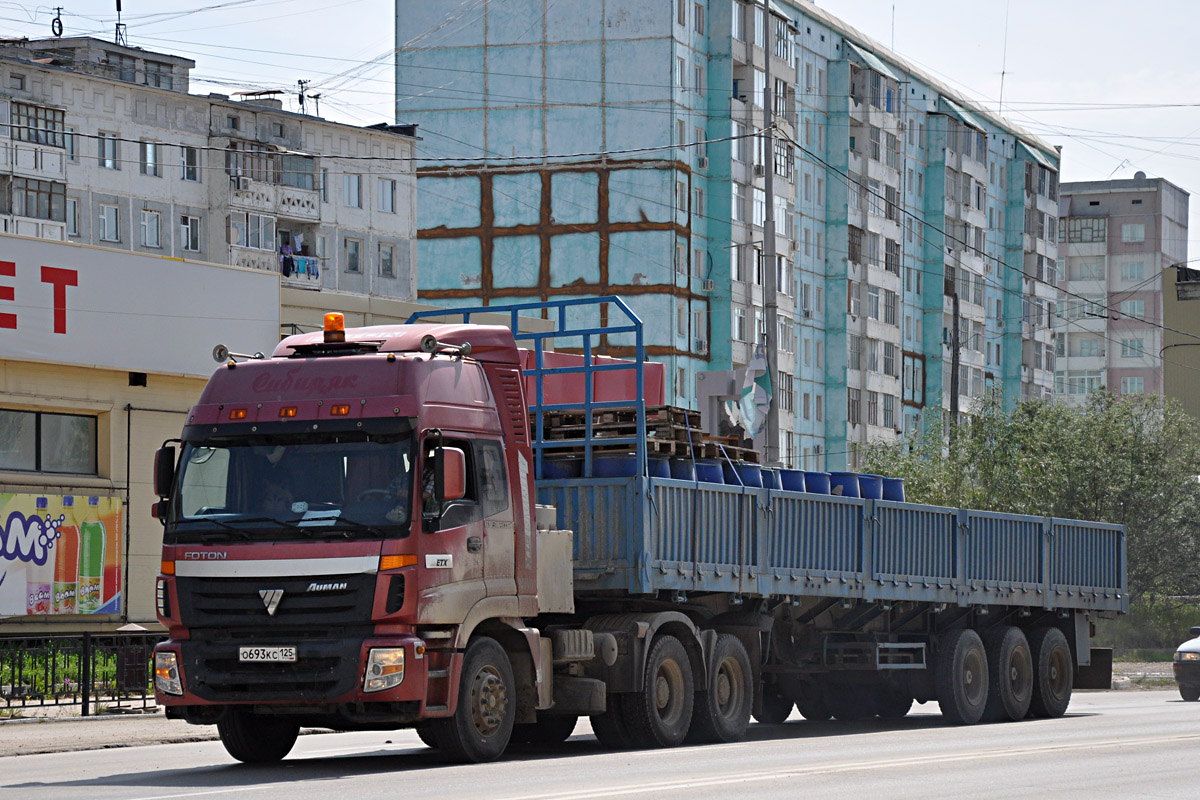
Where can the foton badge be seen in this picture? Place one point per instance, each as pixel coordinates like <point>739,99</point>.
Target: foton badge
<point>439,561</point>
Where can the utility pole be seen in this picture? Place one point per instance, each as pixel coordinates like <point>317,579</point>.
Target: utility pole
<point>770,278</point>
<point>954,359</point>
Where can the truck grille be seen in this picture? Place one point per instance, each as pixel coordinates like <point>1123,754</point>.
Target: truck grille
<point>237,602</point>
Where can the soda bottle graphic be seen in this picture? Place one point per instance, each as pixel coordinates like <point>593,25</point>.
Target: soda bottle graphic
<point>91,559</point>
<point>38,577</point>
<point>66,560</point>
<point>110,516</point>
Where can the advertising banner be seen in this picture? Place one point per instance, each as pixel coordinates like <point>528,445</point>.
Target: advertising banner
<point>60,554</point>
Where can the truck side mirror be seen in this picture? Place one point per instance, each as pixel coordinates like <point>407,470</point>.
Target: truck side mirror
<point>1195,631</point>
<point>164,470</point>
<point>450,482</point>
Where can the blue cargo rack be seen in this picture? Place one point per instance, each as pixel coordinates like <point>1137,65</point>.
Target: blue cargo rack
<point>643,535</point>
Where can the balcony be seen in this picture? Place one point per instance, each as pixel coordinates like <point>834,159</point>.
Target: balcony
<point>288,202</point>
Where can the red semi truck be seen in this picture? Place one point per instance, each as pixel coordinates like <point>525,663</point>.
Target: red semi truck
<point>353,540</point>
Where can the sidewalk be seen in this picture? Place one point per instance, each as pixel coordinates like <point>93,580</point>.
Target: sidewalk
<point>27,736</point>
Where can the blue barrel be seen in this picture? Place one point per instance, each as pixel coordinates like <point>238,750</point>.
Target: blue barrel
<point>792,480</point>
<point>770,479</point>
<point>893,489</point>
<point>730,474</point>
<point>871,486</point>
<point>844,484</point>
<point>682,470</point>
<point>751,475</point>
<point>623,465</point>
<point>561,467</point>
<point>658,467</point>
<point>816,482</point>
<point>708,471</point>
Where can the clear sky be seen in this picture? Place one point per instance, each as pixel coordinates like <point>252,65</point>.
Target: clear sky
<point>1116,84</point>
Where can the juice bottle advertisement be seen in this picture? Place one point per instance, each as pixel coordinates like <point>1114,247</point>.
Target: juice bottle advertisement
<point>60,554</point>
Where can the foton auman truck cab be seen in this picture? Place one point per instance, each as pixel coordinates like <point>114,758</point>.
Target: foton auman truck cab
<point>343,517</point>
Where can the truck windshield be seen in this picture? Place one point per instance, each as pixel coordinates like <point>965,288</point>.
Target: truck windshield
<point>351,484</point>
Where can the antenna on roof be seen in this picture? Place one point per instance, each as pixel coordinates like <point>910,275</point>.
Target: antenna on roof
<point>303,85</point>
<point>56,23</point>
<point>316,98</point>
<point>120,37</point>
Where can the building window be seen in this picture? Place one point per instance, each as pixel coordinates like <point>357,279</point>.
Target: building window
<point>72,217</point>
<point>71,142</point>
<point>818,407</point>
<point>1135,309</point>
<point>1133,348</point>
<point>760,207</point>
<point>681,11</point>
<point>387,196</point>
<point>189,234</point>
<point>1134,232</point>
<point>387,260</point>
<point>37,124</point>
<point>739,324</point>
<point>739,202</point>
<point>252,161</point>
<point>324,186</point>
<point>1133,271</point>
<point>872,408</point>
<point>151,229</point>
<point>107,151</point>
<point>16,81</point>
<point>39,199</point>
<point>121,68</point>
<point>297,170</point>
<point>853,406</point>
<point>735,263</point>
<point>158,74</point>
<point>33,441</point>
<point>353,249</point>
<point>110,230</point>
<point>352,191</point>
<point>149,157</point>
<point>277,130</point>
<point>190,159</point>
<point>698,17</point>
<point>681,69</point>
<point>252,230</point>
<point>1134,385</point>
<point>232,122</point>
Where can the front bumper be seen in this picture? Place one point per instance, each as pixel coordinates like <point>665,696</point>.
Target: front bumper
<point>326,672</point>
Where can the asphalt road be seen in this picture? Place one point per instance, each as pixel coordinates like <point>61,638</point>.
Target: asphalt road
<point>1110,744</point>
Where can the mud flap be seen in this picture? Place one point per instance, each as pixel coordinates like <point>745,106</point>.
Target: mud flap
<point>1098,675</point>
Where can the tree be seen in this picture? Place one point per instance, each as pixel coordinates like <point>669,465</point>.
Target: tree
<point>1132,460</point>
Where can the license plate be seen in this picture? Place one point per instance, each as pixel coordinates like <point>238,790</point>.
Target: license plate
<point>266,654</point>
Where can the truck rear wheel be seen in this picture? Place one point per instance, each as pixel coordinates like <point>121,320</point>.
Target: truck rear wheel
<point>812,706</point>
<point>774,709</point>
<point>1010,673</point>
<point>722,713</point>
<point>256,739</point>
<point>961,677</point>
<point>609,727</point>
<point>660,713</point>
<point>850,703</point>
<point>1053,670</point>
<point>891,703</point>
<point>483,721</point>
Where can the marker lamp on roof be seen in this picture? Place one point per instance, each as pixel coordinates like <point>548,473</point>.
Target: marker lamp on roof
<point>335,327</point>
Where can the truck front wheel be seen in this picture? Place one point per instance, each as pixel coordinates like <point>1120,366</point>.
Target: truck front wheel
<point>722,713</point>
<point>1053,672</point>
<point>256,739</point>
<point>483,721</point>
<point>660,714</point>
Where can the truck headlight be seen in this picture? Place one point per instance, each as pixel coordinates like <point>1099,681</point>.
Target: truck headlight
<point>385,669</point>
<point>1180,656</point>
<point>166,673</point>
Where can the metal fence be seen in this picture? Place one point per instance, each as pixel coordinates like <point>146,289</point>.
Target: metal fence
<point>96,672</point>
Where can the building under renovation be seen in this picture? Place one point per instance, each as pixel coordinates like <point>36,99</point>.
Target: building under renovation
<point>740,174</point>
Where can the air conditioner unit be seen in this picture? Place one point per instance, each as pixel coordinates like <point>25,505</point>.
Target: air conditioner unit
<point>701,347</point>
<point>702,162</point>
<point>806,313</point>
<point>759,171</point>
<point>709,285</point>
<point>243,184</point>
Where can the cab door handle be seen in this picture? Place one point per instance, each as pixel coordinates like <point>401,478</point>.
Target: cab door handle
<point>474,544</point>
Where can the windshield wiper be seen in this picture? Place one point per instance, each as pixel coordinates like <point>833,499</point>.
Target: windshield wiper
<point>206,537</point>
<point>353,523</point>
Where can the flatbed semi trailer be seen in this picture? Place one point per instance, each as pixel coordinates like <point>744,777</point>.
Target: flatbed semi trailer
<point>424,572</point>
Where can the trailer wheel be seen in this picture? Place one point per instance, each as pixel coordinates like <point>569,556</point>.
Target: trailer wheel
<point>812,706</point>
<point>722,713</point>
<point>1189,693</point>
<point>483,721</point>
<point>850,703</point>
<point>609,727</point>
<point>961,678</point>
<point>892,703</point>
<point>660,713</point>
<point>1053,670</point>
<point>548,730</point>
<point>255,739</point>
<point>1010,669</point>
<point>774,709</point>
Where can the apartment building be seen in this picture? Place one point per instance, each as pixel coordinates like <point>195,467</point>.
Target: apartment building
<point>1117,240</point>
<point>650,150</point>
<point>102,144</point>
